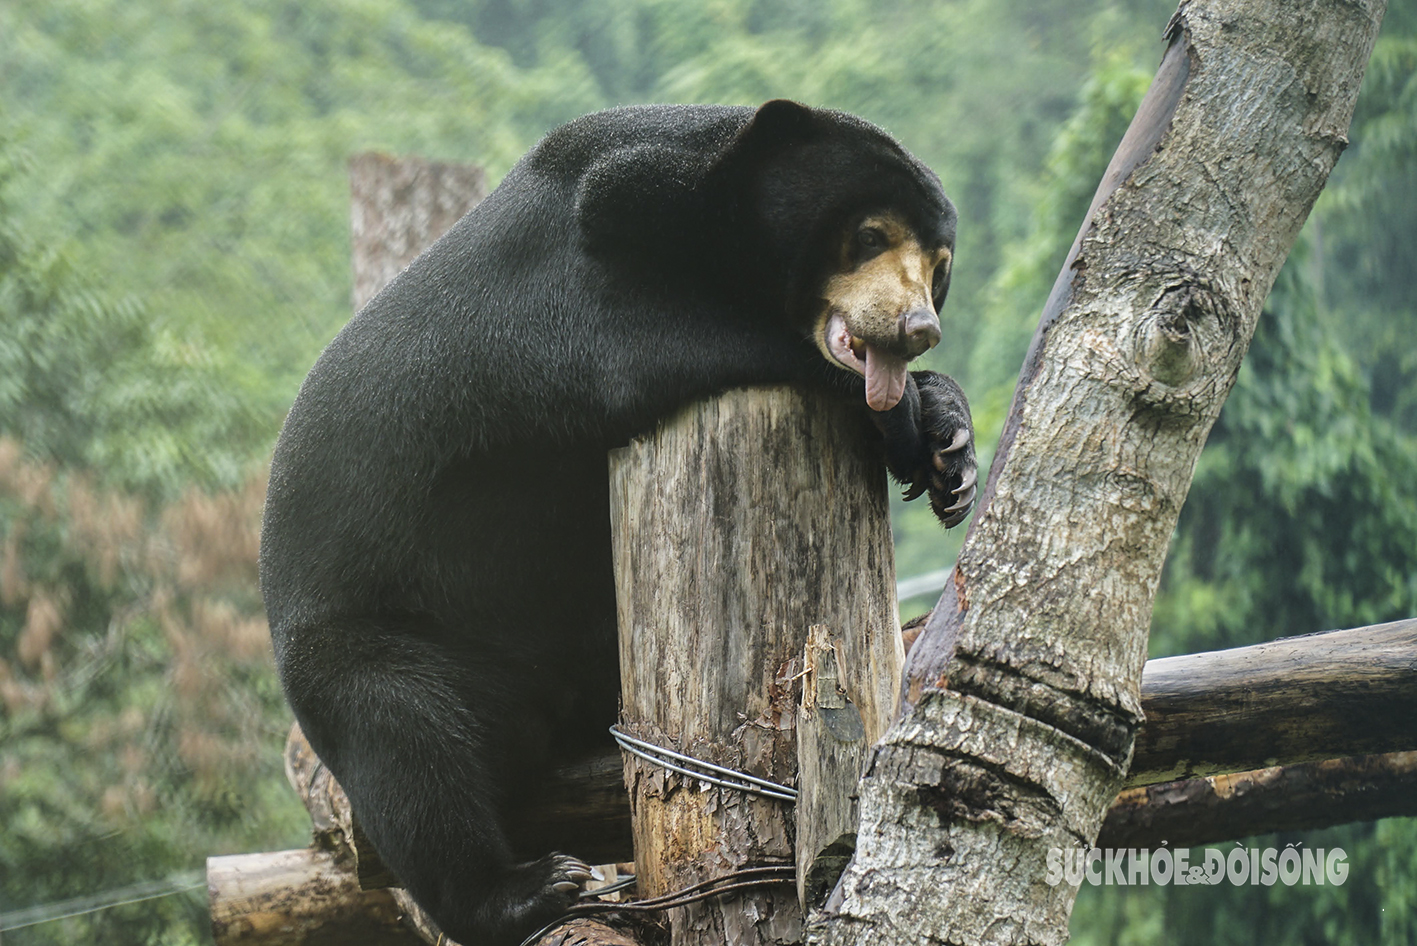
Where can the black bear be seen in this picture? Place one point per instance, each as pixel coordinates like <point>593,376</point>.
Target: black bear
<point>435,555</point>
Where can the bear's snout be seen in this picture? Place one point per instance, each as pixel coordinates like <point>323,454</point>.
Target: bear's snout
<point>919,331</point>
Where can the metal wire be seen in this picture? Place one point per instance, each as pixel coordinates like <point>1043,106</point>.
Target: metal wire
<point>619,885</point>
<point>93,903</point>
<point>746,878</point>
<point>740,781</point>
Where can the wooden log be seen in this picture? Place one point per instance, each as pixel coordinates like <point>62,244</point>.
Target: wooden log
<point>737,525</point>
<point>1299,699</point>
<point>298,898</point>
<point>1281,798</point>
<point>397,207</point>
<point>311,897</point>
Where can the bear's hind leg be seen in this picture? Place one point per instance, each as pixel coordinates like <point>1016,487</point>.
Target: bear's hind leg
<point>418,740</point>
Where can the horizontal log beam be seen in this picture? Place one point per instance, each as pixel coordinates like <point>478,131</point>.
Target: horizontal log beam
<point>298,898</point>
<point>1298,699</point>
<point>1300,797</point>
<point>1286,702</point>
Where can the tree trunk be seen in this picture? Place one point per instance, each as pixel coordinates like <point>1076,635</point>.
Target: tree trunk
<point>738,525</point>
<point>1022,694</point>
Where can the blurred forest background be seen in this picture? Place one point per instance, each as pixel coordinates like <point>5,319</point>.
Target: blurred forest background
<point>174,253</point>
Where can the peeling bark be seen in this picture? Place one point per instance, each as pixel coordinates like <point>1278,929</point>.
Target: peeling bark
<point>1022,696</point>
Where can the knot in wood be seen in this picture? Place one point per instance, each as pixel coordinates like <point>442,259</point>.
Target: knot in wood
<point>1185,328</point>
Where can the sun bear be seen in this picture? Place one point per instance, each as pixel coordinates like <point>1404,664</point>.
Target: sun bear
<point>435,553</point>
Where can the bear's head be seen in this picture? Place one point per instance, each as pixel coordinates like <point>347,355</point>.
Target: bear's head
<point>861,232</point>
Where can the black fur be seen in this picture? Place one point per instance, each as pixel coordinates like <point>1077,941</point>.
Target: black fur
<point>435,557</point>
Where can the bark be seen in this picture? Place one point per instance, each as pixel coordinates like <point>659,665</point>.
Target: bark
<point>307,897</point>
<point>833,749</point>
<point>1279,798</point>
<point>1299,699</point>
<point>725,556</point>
<point>1022,696</point>
<point>398,206</point>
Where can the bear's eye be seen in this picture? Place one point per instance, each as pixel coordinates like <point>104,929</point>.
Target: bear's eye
<point>870,238</point>
<point>940,284</point>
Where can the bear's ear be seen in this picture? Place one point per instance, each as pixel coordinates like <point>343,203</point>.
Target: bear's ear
<point>779,121</point>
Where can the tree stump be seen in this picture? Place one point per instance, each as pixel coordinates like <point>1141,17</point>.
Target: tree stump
<point>738,525</point>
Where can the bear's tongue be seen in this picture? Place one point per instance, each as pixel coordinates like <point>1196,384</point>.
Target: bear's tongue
<point>885,379</point>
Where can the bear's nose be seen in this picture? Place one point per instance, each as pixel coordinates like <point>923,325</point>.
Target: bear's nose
<point>919,331</point>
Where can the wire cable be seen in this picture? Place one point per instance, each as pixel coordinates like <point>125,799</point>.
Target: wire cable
<point>93,903</point>
<point>740,781</point>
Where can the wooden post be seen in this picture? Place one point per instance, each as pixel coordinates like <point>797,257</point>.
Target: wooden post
<point>738,525</point>
<point>397,207</point>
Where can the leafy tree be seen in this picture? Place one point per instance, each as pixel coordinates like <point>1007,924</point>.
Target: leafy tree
<point>199,152</point>
<point>86,378</point>
<point>1362,248</point>
<point>139,720</point>
<point>1303,513</point>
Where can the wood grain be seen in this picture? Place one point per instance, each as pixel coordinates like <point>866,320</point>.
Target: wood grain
<point>737,525</point>
<point>1293,700</point>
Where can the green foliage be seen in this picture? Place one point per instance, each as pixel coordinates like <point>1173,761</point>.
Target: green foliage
<point>1363,249</point>
<point>86,378</point>
<point>1014,299</point>
<point>199,152</point>
<point>1303,513</point>
<point>140,723</point>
